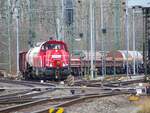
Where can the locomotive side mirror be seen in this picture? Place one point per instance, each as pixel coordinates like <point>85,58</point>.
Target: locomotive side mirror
<point>42,48</point>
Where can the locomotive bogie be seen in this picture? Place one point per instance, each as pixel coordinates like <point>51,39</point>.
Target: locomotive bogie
<point>49,73</point>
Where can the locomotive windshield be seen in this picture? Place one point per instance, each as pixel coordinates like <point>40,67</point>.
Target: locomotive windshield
<point>53,46</point>
<point>49,46</point>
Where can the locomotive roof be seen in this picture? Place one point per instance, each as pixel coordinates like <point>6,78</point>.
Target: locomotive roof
<point>40,44</point>
<point>50,41</point>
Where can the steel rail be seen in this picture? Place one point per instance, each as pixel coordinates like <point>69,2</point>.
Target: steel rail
<point>70,99</point>
<point>38,102</point>
<point>39,83</point>
<point>15,82</point>
<point>98,83</point>
<point>27,83</point>
<point>14,94</point>
<point>23,97</point>
<point>79,100</point>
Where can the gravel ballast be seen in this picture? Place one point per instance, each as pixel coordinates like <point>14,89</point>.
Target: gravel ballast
<point>115,104</point>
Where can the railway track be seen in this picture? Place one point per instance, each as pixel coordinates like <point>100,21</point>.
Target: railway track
<point>27,83</point>
<point>27,96</point>
<point>80,100</point>
<point>30,90</point>
<point>31,102</point>
<point>42,106</point>
<point>26,90</point>
<point>22,97</point>
<point>99,83</point>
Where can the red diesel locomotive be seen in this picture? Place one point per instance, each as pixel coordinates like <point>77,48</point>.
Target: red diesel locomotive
<point>47,60</point>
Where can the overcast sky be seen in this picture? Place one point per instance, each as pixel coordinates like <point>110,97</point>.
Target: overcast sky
<point>139,2</point>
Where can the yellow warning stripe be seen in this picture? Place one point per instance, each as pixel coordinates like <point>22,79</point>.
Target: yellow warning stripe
<point>51,110</point>
<point>57,110</point>
<point>133,98</point>
<point>60,110</point>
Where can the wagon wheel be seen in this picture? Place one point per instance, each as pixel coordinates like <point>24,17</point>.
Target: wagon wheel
<point>27,76</point>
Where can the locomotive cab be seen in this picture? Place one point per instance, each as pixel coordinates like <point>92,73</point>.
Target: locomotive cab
<point>57,59</point>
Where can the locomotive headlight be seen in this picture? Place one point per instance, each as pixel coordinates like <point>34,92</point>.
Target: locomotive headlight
<point>58,63</point>
<point>50,65</point>
<point>64,65</point>
<point>56,56</point>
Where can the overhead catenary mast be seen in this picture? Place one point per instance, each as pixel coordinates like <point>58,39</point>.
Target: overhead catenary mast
<point>91,34</point>
<point>103,31</point>
<point>17,32</point>
<point>133,40</point>
<point>127,38</point>
<point>62,20</point>
<point>9,40</point>
<point>116,30</point>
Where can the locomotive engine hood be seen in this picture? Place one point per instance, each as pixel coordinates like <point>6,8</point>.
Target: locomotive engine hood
<point>56,54</point>
<point>56,58</point>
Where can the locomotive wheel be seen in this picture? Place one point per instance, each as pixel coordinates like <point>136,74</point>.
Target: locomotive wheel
<point>27,75</point>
